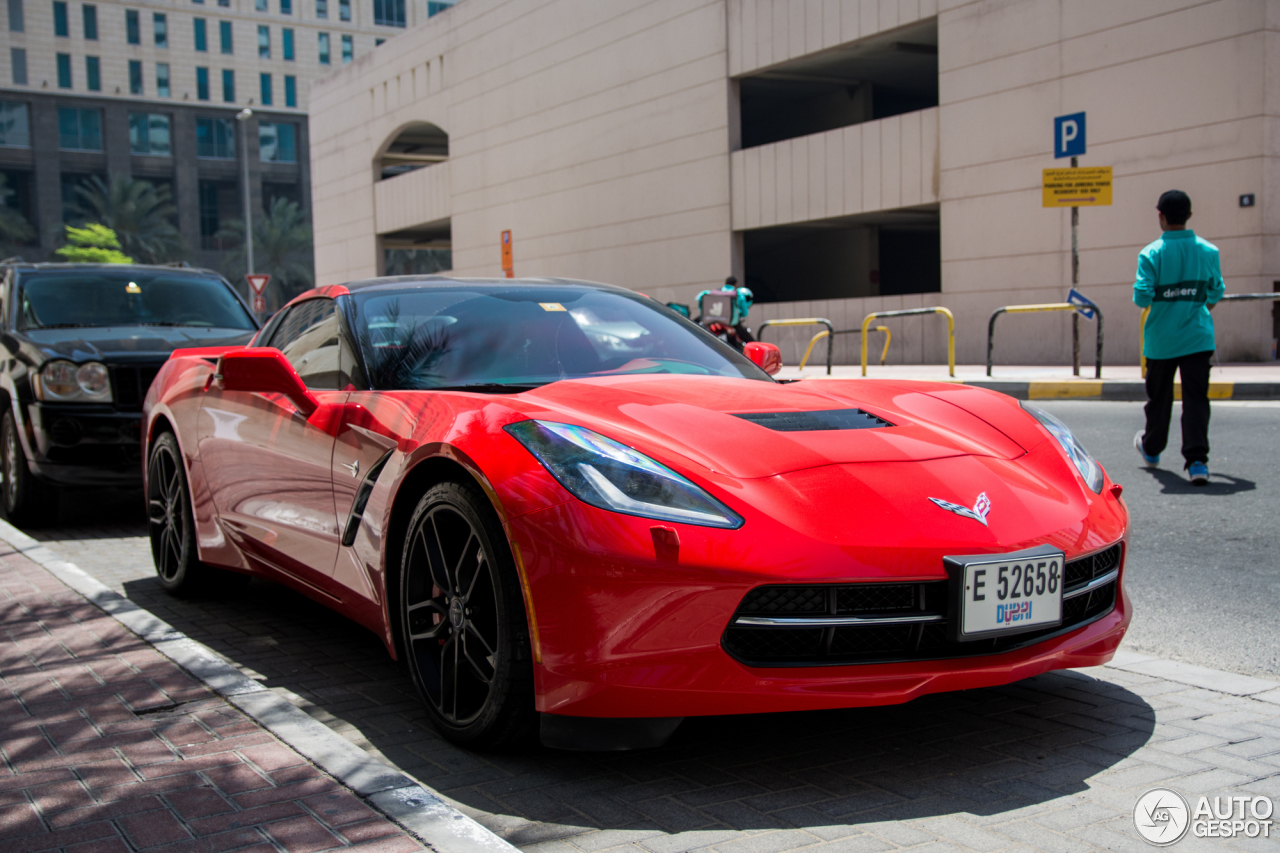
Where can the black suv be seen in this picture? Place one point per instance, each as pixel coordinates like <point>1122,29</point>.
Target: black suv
<point>81,344</point>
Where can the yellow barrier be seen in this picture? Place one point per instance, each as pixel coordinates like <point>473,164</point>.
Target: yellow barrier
<point>1075,331</point>
<point>1142,333</point>
<point>1226,297</point>
<point>803,321</point>
<point>951,331</point>
<point>888,336</point>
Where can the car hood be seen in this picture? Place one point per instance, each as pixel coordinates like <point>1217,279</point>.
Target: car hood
<point>103,342</point>
<point>698,417</point>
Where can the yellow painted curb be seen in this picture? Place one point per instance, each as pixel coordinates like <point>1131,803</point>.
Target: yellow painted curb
<point>1050,390</point>
<point>1217,390</point>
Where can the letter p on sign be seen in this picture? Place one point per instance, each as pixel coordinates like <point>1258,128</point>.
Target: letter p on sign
<point>1068,135</point>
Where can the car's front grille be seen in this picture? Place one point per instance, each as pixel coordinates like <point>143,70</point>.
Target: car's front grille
<point>904,621</point>
<point>129,383</point>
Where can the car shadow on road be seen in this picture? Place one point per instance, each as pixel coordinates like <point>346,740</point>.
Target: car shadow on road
<point>1176,483</point>
<point>982,752</point>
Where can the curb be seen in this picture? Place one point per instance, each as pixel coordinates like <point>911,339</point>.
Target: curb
<point>1121,390</point>
<point>413,807</point>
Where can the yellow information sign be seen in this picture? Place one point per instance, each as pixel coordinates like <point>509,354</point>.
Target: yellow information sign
<point>1083,187</point>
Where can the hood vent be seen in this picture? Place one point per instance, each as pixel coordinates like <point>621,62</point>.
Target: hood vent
<point>834,419</point>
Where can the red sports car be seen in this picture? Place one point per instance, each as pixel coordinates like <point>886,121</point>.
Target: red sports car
<point>564,505</point>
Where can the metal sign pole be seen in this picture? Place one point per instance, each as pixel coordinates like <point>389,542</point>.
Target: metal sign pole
<point>1075,281</point>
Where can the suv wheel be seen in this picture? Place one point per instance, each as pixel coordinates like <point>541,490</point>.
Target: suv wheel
<point>27,501</point>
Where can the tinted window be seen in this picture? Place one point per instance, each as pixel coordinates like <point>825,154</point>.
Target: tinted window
<point>482,334</point>
<point>309,336</point>
<point>59,299</point>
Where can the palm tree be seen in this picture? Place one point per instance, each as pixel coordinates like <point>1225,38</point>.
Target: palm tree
<point>281,248</point>
<point>140,213</point>
<point>14,228</point>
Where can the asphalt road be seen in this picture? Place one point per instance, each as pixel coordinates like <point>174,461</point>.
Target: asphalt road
<point>1204,562</point>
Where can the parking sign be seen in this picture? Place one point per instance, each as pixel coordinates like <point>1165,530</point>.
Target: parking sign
<point>1068,135</point>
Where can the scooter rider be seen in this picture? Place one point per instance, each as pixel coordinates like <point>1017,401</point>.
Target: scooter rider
<point>726,317</point>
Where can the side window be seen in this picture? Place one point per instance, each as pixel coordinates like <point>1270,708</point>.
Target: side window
<point>308,337</point>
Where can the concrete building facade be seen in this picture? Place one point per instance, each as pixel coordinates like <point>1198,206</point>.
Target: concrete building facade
<point>151,89</point>
<point>839,156</point>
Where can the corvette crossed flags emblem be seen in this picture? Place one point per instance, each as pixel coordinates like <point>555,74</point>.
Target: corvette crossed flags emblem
<point>981,507</point>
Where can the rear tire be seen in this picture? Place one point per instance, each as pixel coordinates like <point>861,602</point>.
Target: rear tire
<point>462,614</point>
<point>28,501</point>
<point>173,530</point>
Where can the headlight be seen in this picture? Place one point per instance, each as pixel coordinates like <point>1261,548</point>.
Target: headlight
<point>66,382</point>
<point>1089,469</point>
<point>612,476</point>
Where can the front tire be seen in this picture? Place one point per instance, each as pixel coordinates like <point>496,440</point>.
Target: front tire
<point>463,620</point>
<point>172,528</point>
<point>27,501</point>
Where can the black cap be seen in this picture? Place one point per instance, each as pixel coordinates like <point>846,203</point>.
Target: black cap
<point>730,280</point>
<point>1176,206</point>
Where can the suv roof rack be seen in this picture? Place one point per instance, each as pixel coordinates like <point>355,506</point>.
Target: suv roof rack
<point>179,264</point>
<point>16,259</point>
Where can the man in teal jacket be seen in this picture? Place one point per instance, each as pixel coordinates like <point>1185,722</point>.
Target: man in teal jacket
<point>1180,278</point>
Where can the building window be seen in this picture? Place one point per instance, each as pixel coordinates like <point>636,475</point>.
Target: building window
<point>260,5</point>
<point>286,7</point>
<point>224,36</point>
<point>132,29</point>
<point>264,84</point>
<point>162,79</point>
<point>379,42</point>
<point>228,86</point>
<point>435,7</point>
<point>209,225</point>
<point>92,74</point>
<point>90,22</point>
<point>15,125</point>
<point>324,48</point>
<point>290,90</point>
<point>201,29</point>
<point>348,49</point>
<point>161,25</point>
<point>277,142</point>
<point>322,8</point>
<point>64,71</point>
<point>149,134</point>
<point>15,16</point>
<point>286,43</point>
<point>79,130</point>
<point>344,10</point>
<point>264,42</point>
<point>60,27</point>
<point>388,13</point>
<point>18,63</point>
<point>202,84</point>
<point>215,138</point>
<point>135,77</point>
<point>226,3</point>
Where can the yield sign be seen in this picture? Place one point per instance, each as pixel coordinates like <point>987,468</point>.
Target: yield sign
<point>258,281</point>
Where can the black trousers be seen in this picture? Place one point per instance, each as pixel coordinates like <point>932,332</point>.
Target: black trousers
<point>1195,405</point>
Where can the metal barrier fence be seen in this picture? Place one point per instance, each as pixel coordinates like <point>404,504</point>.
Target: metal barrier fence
<point>888,336</point>
<point>804,321</point>
<point>937,309</point>
<point>1075,331</point>
<point>1228,297</point>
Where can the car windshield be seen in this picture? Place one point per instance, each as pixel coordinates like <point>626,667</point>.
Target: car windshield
<point>491,336</point>
<point>69,298</point>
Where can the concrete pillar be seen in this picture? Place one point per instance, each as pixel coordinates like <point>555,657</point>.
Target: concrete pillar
<point>46,196</point>
<point>186,178</point>
<point>115,139</point>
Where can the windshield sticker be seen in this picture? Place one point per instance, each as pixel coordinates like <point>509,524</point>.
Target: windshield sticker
<point>552,306</point>
<point>133,288</point>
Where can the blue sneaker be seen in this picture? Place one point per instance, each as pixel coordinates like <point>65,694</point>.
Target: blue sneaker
<point>1152,461</point>
<point>1199,473</point>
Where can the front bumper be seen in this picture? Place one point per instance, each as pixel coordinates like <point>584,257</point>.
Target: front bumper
<point>84,445</point>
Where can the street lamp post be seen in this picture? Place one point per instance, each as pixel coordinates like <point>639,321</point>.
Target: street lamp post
<point>243,117</point>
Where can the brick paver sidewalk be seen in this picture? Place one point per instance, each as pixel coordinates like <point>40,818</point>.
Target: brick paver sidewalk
<point>106,745</point>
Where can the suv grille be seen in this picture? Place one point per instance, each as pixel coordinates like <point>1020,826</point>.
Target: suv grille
<point>129,383</point>
<point>914,615</point>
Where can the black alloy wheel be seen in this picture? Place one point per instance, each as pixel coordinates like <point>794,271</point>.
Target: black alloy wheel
<point>172,528</point>
<point>28,502</point>
<point>463,620</point>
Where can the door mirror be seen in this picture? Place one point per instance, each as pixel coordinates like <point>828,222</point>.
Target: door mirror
<point>766,356</point>
<point>264,371</point>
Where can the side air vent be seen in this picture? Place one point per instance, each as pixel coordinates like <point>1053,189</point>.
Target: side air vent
<point>815,421</point>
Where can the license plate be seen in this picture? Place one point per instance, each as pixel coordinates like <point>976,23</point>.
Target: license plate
<point>997,594</point>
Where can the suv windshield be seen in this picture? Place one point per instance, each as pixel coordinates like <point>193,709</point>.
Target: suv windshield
<point>66,298</point>
<point>490,336</point>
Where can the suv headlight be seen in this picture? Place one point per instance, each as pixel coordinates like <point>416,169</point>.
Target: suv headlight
<point>601,472</point>
<point>1088,467</point>
<point>64,381</point>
